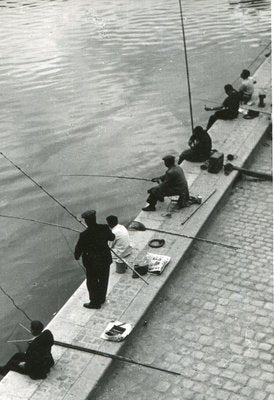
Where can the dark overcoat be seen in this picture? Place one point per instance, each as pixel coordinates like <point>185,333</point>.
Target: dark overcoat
<point>93,245</point>
<point>38,356</point>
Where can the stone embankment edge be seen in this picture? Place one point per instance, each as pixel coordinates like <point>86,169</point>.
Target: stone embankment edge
<point>90,377</point>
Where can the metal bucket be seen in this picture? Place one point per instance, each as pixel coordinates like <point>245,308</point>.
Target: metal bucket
<point>120,268</point>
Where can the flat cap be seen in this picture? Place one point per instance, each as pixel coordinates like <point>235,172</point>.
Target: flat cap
<point>88,214</point>
<point>168,158</point>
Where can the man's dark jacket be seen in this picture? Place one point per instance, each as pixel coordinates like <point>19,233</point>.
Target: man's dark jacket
<point>232,103</point>
<point>38,356</point>
<point>93,245</point>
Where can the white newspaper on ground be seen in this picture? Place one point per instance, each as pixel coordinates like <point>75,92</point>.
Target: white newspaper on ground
<point>116,331</point>
<point>156,263</point>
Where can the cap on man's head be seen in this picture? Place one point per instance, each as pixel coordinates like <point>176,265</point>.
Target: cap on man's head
<point>89,214</point>
<point>245,73</point>
<point>36,326</point>
<point>169,158</point>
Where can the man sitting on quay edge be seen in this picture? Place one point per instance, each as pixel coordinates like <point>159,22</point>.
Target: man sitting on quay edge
<point>228,110</point>
<point>200,146</point>
<point>37,360</point>
<point>173,182</point>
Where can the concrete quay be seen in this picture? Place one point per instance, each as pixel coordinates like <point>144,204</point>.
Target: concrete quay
<point>76,374</point>
<point>213,320</point>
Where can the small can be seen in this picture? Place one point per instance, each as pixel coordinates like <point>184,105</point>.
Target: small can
<point>199,199</point>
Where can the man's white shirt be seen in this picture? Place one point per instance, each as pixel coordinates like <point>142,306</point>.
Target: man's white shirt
<point>121,243</point>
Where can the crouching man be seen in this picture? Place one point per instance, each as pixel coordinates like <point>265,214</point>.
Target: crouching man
<point>173,182</point>
<point>121,243</point>
<point>37,360</point>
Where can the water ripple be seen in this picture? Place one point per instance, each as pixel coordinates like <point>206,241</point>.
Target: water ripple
<point>97,87</point>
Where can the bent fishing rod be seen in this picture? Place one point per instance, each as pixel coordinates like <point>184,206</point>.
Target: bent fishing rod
<point>69,212</point>
<point>111,176</point>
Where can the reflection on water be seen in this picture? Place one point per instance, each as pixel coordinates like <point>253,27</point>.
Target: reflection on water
<point>99,88</point>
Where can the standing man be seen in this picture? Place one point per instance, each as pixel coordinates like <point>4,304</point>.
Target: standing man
<point>172,182</point>
<point>93,247</point>
<point>121,244</point>
<point>37,360</point>
<point>228,110</point>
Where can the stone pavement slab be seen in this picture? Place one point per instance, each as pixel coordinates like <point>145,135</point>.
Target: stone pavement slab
<point>76,374</point>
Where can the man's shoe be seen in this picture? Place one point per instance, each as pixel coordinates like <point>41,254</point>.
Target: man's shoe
<point>149,208</point>
<point>92,305</point>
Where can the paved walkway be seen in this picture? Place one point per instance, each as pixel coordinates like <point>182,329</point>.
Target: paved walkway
<point>76,374</point>
<point>212,321</point>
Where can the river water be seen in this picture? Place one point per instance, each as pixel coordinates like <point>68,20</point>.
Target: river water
<point>99,87</point>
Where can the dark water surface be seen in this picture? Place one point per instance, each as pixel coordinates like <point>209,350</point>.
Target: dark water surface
<point>99,87</point>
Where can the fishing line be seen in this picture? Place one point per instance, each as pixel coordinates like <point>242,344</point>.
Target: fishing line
<point>11,335</point>
<point>39,222</point>
<point>187,70</point>
<point>70,249</point>
<point>44,190</point>
<point>69,212</point>
<point>15,305</point>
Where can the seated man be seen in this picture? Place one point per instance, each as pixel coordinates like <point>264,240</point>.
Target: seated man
<point>228,110</point>
<point>121,243</point>
<point>246,89</point>
<point>200,146</point>
<point>172,183</point>
<point>37,360</point>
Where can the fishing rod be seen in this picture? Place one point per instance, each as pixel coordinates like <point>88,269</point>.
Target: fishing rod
<point>113,357</point>
<point>194,238</point>
<point>39,222</point>
<point>48,224</point>
<point>42,188</point>
<point>103,354</point>
<point>26,329</point>
<point>208,197</point>
<point>69,212</point>
<point>111,176</point>
<point>142,227</point>
<point>187,69</point>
